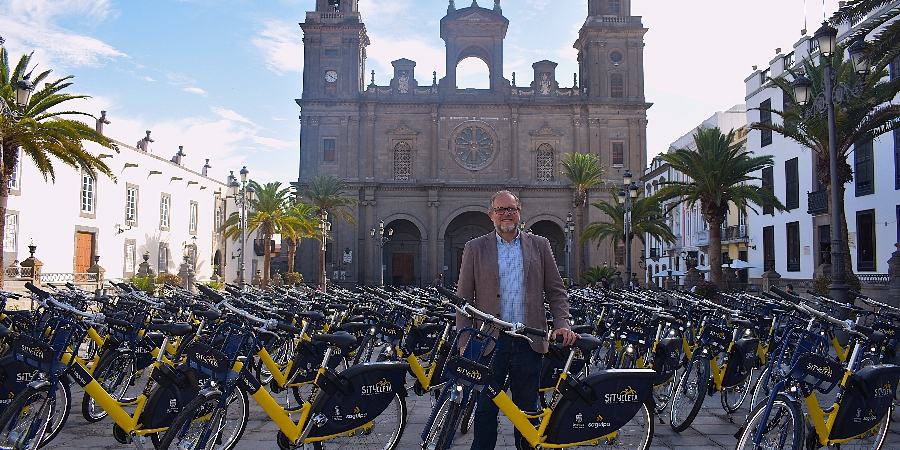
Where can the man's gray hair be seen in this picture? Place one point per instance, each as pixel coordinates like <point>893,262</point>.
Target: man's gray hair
<point>498,193</point>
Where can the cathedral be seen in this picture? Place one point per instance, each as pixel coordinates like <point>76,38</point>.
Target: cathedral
<point>424,157</point>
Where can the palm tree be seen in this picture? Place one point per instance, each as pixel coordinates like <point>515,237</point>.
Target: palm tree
<point>268,216</point>
<point>856,120</point>
<point>325,193</point>
<point>885,46</point>
<point>42,131</point>
<point>718,172</point>
<point>646,219</point>
<point>584,171</point>
<point>304,225</point>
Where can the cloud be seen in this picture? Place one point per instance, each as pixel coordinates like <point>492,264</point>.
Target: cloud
<point>276,143</point>
<point>281,44</point>
<point>195,90</point>
<point>231,115</point>
<point>146,78</point>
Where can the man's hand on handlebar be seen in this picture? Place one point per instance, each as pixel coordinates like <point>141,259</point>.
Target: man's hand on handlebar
<point>568,336</point>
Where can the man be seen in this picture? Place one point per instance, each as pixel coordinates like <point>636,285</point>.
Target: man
<point>508,274</point>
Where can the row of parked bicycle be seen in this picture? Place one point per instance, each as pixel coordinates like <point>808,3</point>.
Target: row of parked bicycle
<point>334,370</point>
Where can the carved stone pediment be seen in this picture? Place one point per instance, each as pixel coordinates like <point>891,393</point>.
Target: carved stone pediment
<point>403,130</point>
<point>545,131</point>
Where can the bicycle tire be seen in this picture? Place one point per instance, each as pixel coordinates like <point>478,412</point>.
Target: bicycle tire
<point>60,412</point>
<point>440,432</point>
<point>636,434</point>
<point>25,421</point>
<point>873,439</point>
<point>764,385</point>
<point>733,397</point>
<point>191,426</point>
<point>385,433</point>
<point>114,372</point>
<point>689,394</point>
<point>784,428</point>
<point>467,419</point>
<point>662,393</point>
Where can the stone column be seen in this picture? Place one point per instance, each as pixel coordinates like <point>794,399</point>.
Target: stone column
<point>435,264</point>
<point>514,146</point>
<point>770,278</point>
<point>576,135</point>
<point>97,271</point>
<point>603,148</point>
<point>370,144</point>
<point>893,297</point>
<point>144,269</point>
<point>186,272</point>
<point>433,151</point>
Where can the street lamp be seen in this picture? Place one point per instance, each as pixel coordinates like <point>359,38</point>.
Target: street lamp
<point>833,93</point>
<point>325,228</point>
<point>628,201</point>
<point>570,229</point>
<point>243,198</point>
<point>381,236</point>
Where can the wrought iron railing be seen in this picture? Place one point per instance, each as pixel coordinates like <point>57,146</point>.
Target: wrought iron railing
<point>874,279</point>
<point>13,273</point>
<point>735,233</point>
<point>817,202</point>
<point>68,277</point>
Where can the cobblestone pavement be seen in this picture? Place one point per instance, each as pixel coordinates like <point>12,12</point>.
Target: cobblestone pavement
<point>712,429</point>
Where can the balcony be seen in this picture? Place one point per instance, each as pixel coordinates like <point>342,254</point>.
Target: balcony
<point>259,244</point>
<point>655,253</point>
<point>818,202</point>
<point>735,234</point>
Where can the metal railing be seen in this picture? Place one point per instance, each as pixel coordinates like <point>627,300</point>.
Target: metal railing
<point>874,279</point>
<point>15,273</point>
<point>817,202</point>
<point>735,233</point>
<point>68,277</point>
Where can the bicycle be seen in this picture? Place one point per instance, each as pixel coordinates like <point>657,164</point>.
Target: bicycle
<point>609,407</point>
<point>860,410</point>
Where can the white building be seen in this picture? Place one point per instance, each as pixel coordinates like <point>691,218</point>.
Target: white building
<point>687,224</point>
<point>796,242</point>
<point>156,206</point>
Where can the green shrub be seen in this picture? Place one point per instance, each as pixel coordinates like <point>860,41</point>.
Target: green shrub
<point>706,290</point>
<point>292,278</point>
<point>215,285</point>
<point>145,284</point>
<point>820,284</point>
<point>170,279</point>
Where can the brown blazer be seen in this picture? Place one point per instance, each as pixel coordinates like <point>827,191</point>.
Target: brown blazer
<point>479,283</point>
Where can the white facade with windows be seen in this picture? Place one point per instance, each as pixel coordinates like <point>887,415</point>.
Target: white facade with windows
<point>795,243</point>
<point>155,207</point>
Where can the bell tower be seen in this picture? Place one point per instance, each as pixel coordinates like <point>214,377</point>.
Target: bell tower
<point>611,52</point>
<point>334,50</point>
<point>474,31</point>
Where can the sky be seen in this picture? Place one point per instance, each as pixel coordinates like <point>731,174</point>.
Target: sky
<point>220,77</point>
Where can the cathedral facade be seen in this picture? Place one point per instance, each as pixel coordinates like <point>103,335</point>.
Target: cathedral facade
<point>424,158</point>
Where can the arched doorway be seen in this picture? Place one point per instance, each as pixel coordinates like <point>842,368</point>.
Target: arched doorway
<point>557,238</point>
<point>403,254</point>
<point>463,228</point>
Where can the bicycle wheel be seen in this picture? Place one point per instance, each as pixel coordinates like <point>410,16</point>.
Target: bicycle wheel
<point>206,424</point>
<point>365,350</point>
<point>115,374</point>
<point>872,439</point>
<point>636,434</point>
<point>26,420</point>
<point>732,397</point>
<point>467,419</point>
<point>281,350</point>
<point>60,415</point>
<point>440,432</point>
<point>783,430</point>
<point>384,433</point>
<point>764,385</point>
<point>689,394</point>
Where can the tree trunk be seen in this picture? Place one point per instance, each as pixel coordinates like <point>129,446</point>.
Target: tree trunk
<point>845,237</point>
<point>580,247</point>
<point>267,259</point>
<point>4,196</point>
<point>291,252</point>
<point>715,252</point>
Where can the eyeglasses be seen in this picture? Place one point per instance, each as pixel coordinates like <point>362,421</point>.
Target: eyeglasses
<point>504,211</point>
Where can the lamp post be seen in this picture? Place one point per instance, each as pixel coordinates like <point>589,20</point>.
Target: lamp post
<point>325,228</point>
<point>570,229</point>
<point>381,236</point>
<point>243,199</point>
<point>627,199</point>
<point>826,36</point>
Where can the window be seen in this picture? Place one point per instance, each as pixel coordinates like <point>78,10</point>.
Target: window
<point>765,118</point>
<point>220,217</point>
<point>793,246</point>
<point>769,248</point>
<point>328,150</point>
<point>787,102</point>
<point>402,160</point>
<point>791,184</point>
<point>331,53</point>
<point>88,187</point>
<point>130,256</point>
<point>768,182</point>
<point>618,153</point>
<point>788,61</point>
<point>165,207</point>
<point>615,6</point>
<point>864,168</point>
<point>162,261</point>
<point>131,205</point>
<point>11,233</point>
<point>545,162</point>
<point>16,173</point>
<point>824,244</point>
<point>895,68</point>
<point>764,76</point>
<point>896,159</point>
<point>192,225</point>
<point>865,240</point>
<point>616,86</point>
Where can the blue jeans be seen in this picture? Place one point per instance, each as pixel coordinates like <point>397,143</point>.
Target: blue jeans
<point>516,359</point>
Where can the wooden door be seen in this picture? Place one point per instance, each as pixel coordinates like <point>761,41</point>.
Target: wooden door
<point>403,269</point>
<point>84,250</point>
